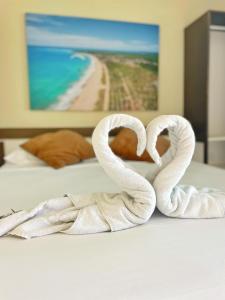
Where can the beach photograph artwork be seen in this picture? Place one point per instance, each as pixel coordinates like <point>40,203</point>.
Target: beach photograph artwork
<point>81,64</point>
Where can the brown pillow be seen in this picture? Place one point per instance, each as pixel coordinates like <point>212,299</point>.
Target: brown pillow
<point>60,148</point>
<point>125,145</point>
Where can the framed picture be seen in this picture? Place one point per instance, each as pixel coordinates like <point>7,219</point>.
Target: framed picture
<point>82,64</point>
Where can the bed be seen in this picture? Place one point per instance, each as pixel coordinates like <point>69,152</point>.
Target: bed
<point>165,259</point>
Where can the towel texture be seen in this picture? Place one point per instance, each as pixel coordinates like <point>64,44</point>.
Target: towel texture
<point>98,212</point>
<point>172,199</point>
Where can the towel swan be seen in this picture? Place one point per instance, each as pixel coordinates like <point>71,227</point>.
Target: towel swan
<point>174,200</point>
<point>97,212</point>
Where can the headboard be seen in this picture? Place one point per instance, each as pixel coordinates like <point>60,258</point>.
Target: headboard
<point>18,133</point>
<point>1,153</point>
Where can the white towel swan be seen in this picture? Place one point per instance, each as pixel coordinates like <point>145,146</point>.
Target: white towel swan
<point>172,200</point>
<point>98,212</point>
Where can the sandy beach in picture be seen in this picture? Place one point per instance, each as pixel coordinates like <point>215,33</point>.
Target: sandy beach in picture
<point>79,64</point>
<point>95,91</point>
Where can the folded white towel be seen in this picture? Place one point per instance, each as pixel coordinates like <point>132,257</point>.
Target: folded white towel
<point>172,200</point>
<point>98,212</point>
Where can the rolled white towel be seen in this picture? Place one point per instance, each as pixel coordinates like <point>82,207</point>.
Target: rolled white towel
<point>178,200</point>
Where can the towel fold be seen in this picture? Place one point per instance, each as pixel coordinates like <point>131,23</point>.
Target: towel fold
<point>178,200</point>
<point>97,212</point>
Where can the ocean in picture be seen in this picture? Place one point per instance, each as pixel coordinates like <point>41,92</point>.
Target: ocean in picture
<point>91,65</point>
<point>52,74</point>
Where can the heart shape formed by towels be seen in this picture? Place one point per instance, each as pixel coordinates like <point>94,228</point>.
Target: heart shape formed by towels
<point>98,212</point>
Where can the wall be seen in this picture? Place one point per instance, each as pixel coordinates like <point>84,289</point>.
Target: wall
<point>171,15</point>
<point>196,8</point>
<point>14,109</point>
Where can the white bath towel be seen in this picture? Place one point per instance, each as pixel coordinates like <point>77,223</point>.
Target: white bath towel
<point>179,200</point>
<point>98,212</point>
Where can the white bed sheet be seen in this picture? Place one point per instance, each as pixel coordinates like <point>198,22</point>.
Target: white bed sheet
<point>164,259</point>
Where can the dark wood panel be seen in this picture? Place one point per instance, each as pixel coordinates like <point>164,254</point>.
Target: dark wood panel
<point>1,153</point>
<point>13,133</point>
<point>17,133</point>
<point>196,77</point>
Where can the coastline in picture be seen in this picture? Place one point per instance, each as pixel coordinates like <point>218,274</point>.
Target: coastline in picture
<point>91,65</point>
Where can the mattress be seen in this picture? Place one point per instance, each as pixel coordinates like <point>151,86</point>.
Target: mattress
<point>164,259</point>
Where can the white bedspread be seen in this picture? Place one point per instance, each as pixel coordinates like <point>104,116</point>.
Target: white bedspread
<point>165,259</point>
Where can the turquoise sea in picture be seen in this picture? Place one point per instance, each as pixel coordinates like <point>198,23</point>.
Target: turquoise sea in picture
<point>52,71</point>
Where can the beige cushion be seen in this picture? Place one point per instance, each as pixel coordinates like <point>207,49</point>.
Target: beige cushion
<point>60,148</point>
<point>125,146</point>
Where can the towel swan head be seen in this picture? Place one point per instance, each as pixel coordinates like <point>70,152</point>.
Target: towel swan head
<point>100,139</point>
<point>181,137</point>
<point>101,132</point>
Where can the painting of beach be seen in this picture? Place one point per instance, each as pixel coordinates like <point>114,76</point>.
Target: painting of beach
<point>81,64</point>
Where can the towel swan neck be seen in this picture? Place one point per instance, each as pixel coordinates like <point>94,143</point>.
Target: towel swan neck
<point>116,168</point>
<point>140,191</point>
<point>173,200</point>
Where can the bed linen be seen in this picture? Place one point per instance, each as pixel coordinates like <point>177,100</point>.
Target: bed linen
<point>163,259</point>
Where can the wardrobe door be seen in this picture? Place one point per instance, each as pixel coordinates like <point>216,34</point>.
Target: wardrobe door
<point>216,97</point>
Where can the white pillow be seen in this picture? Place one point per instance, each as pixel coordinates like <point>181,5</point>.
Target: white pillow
<point>22,158</point>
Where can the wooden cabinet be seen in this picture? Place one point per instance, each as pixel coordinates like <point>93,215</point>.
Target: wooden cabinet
<point>204,104</point>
